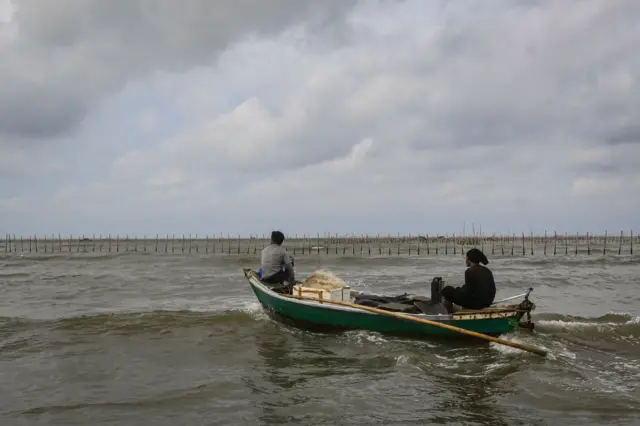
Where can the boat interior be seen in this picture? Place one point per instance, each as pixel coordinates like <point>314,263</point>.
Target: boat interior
<point>405,303</point>
<point>409,303</point>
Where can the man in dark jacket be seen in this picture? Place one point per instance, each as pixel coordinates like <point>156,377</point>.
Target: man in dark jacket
<point>479,289</point>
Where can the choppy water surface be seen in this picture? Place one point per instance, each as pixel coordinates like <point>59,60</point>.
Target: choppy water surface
<point>151,339</point>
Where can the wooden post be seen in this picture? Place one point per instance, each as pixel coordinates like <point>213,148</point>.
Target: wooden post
<point>117,243</point>
<point>620,243</point>
<point>190,244</point>
<point>523,250</point>
<point>446,244</point>
<point>109,243</point>
<point>493,244</point>
<point>588,245</point>
<point>513,243</point>
<point>577,238</point>
<point>566,243</point>
<point>157,238</point>
<point>604,249</point>
<point>455,243</point>
<point>545,243</point>
<point>532,243</point>
<point>631,243</point>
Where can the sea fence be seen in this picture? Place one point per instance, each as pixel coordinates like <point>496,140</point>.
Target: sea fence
<point>549,244</point>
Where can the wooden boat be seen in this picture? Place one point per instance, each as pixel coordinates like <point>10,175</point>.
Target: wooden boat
<point>369,312</point>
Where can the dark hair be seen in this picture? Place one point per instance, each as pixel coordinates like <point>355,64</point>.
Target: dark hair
<point>277,237</point>
<point>476,256</point>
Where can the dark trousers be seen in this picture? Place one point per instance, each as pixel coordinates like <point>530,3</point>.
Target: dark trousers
<point>277,278</point>
<point>455,295</point>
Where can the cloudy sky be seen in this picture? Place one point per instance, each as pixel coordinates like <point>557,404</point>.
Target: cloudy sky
<point>414,116</point>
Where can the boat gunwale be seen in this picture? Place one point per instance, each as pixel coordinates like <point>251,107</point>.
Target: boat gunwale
<point>467,315</point>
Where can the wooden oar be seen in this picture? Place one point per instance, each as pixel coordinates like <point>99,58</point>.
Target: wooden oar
<point>521,346</point>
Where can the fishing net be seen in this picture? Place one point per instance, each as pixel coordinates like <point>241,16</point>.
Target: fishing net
<point>324,279</point>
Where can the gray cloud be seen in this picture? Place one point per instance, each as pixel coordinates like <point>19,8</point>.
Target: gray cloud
<point>71,53</point>
<point>503,112</point>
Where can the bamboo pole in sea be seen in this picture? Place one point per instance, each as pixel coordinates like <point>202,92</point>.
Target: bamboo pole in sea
<point>427,244</point>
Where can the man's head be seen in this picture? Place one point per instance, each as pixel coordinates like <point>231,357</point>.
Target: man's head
<point>277,237</point>
<point>475,256</point>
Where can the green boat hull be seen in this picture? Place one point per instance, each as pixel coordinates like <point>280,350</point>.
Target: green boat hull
<point>312,313</point>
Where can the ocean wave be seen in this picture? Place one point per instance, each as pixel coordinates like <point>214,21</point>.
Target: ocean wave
<point>139,322</point>
<point>611,320</point>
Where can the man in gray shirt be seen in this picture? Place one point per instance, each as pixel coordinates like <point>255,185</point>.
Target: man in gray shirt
<point>277,265</point>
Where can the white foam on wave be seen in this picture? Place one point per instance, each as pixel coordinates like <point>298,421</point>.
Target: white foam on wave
<point>363,336</point>
<point>568,324</point>
<point>254,309</point>
<point>553,354</point>
<point>618,376</point>
<point>402,360</point>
